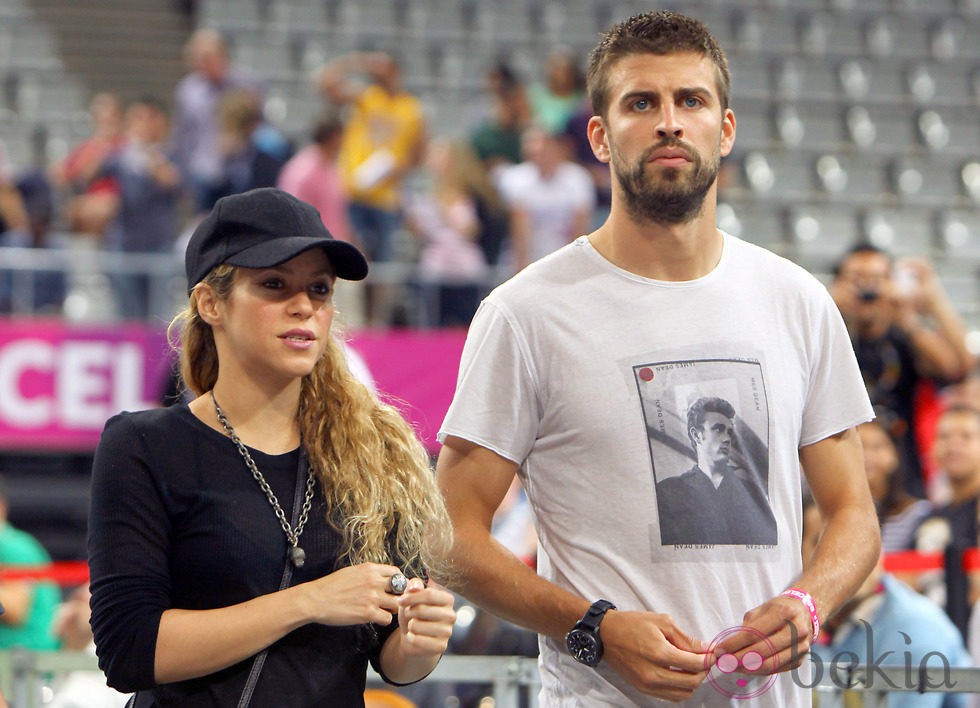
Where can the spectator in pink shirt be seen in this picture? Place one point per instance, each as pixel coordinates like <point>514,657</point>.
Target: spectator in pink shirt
<point>312,175</point>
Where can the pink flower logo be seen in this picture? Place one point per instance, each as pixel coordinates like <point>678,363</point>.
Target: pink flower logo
<point>741,676</point>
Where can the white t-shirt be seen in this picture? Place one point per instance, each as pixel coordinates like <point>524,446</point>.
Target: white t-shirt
<point>582,373</point>
<point>551,202</point>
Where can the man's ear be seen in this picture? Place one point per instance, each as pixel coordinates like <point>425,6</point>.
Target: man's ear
<point>599,139</point>
<point>208,304</point>
<point>727,132</point>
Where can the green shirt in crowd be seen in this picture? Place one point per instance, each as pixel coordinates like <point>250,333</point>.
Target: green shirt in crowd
<point>18,548</point>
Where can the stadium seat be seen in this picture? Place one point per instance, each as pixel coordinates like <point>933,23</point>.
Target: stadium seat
<point>828,34</point>
<point>762,224</point>
<point>293,107</point>
<point>959,231</point>
<point>14,10</point>
<point>503,21</point>
<point>569,23</point>
<point>935,7</point>
<point>785,175</point>
<point>230,15</point>
<point>873,80</point>
<point>366,20</point>
<point>308,15</point>
<point>32,47</point>
<point>450,19</point>
<point>821,234</point>
<point>717,19</point>
<point>753,122</point>
<point>850,178</point>
<point>816,126</point>
<point>763,31</point>
<point>750,75</point>
<point>935,83</point>
<point>970,179</point>
<point>812,78</point>
<point>950,40</point>
<point>901,230</point>
<point>897,35</point>
<point>923,181</point>
<point>949,129</point>
<point>921,82</point>
<point>273,53</point>
<point>845,6</point>
<point>18,149</point>
<point>881,128</point>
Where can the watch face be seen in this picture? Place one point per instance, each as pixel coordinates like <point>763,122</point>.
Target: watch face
<point>584,646</point>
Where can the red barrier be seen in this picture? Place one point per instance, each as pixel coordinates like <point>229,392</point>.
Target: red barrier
<point>65,573</point>
<point>971,559</point>
<point>71,573</point>
<point>913,562</point>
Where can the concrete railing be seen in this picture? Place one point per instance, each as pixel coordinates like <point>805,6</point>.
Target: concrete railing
<point>25,676</point>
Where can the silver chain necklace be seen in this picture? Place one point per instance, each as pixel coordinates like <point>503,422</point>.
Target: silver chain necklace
<point>296,554</point>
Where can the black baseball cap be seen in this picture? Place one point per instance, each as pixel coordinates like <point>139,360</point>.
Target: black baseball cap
<point>262,228</point>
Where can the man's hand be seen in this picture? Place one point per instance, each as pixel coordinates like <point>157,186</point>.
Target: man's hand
<point>653,654</point>
<point>779,630</point>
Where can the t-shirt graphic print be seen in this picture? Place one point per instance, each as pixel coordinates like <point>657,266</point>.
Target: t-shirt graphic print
<point>707,424</point>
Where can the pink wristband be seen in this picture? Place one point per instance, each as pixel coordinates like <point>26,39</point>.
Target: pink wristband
<point>807,601</point>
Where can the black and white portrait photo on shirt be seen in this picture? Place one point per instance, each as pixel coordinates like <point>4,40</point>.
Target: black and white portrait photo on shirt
<point>707,424</point>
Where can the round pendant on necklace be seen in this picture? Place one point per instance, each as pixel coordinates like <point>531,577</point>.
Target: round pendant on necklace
<point>297,556</point>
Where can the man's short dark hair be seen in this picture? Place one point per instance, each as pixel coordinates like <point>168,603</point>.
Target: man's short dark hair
<point>701,407</point>
<point>326,126</point>
<point>658,32</point>
<point>152,102</point>
<point>857,249</point>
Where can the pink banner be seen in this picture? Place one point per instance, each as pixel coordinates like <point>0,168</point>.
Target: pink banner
<point>59,383</point>
<point>416,372</point>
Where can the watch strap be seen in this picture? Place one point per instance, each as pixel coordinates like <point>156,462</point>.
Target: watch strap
<point>597,610</point>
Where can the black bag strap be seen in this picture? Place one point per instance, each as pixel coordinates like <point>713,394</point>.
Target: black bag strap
<point>287,574</point>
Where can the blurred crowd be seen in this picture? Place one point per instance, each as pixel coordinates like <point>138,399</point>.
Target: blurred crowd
<point>446,217</point>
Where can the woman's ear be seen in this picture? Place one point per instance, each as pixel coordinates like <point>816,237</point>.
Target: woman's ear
<point>208,304</point>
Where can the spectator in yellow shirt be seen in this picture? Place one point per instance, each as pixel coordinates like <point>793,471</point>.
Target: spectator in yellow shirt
<point>384,139</point>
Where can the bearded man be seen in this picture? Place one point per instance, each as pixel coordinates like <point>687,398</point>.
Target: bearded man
<point>573,375</point>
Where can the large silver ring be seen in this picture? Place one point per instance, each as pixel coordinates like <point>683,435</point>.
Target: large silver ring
<point>397,584</point>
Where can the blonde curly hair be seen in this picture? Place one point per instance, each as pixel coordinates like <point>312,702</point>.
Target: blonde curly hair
<point>376,476</point>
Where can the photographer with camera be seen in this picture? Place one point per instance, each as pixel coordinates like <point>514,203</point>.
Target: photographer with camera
<point>905,331</point>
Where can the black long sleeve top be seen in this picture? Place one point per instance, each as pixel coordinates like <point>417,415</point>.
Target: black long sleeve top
<point>178,521</point>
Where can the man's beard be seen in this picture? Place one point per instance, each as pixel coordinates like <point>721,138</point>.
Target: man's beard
<point>675,200</point>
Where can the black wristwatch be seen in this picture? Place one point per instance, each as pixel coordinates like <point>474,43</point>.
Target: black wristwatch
<point>583,641</point>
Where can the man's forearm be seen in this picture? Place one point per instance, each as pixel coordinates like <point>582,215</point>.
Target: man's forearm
<point>848,550</point>
<point>496,580</point>
<point>952,328</point>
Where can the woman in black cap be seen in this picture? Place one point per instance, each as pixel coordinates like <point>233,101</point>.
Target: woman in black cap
<point>264,542</point>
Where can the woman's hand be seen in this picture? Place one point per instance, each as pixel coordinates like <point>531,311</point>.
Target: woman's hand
<point>425,618</point>
<point>354,595</point>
